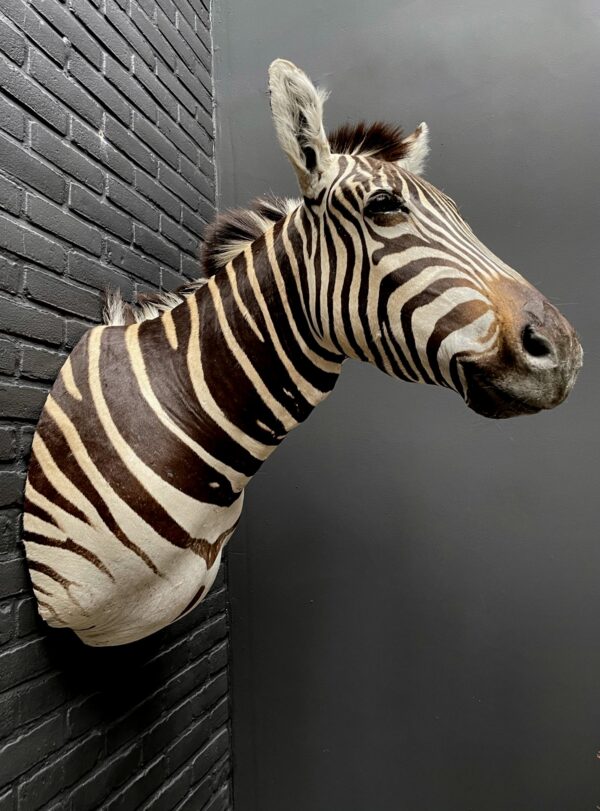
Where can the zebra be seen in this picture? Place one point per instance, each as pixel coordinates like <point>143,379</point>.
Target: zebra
<point>160,417</point>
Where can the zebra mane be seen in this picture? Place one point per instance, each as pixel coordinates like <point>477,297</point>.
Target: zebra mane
<point>237,228</point>
<point>224,239</point>
<point>377,140</point>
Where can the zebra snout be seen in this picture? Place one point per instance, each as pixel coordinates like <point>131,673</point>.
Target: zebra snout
<point>534,368</point>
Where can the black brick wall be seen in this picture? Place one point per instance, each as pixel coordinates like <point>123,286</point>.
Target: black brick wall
<point>106,179</point>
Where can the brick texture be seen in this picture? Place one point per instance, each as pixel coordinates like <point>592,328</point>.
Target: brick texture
<point>106,180</point>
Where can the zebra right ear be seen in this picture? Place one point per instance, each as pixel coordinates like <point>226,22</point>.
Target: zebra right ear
<point>297,107</point>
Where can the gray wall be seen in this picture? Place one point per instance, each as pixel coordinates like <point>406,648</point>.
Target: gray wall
<point>416,590</point>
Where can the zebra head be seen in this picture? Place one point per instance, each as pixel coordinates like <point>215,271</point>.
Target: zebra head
<point>399,279</point>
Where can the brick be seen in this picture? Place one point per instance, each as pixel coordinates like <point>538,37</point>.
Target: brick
<point>26,19</point>
<point>135,205</point>
<point>30,748</point>
<point>45,783</point>
<point>123,25</point>
<point>7,623</point>
<point>206,758</point>
<point>132,262</point>
<point>199,795</point>
<point>13,580</point>
<point>9,717</point>
<point>22,240</point>
<point>96,84</point>
<point>194,41</point>
<point>63,295</point>
<point>65,89</point>
<point>97,24</point>
<point>89,206</point>
<point>168,77</point>
<point>9,357</point>
<point>193,222</point>
<point>157,194</point>
<point>197,89</point>
<point>133,794</point>
<point>177,186</point>
<point>170,279</point>
<point>202,12</point>
<point>21,661</point>
<point>130,144</point>
<point>41,364</point>
<point>219,713</point>
<point>54,219</point>
<point>89,795</point>
<point>155,246</point>
<point>129,87</point>
<point>176,135</point>
<point>10,532</point>
<point>185,9</point>
<point>197,179</point>
<point>41,695</point>
<point>153,35</point>
<point>179,236</point>
<point>175,40</point>
<point>169,9</point>
<point>190,267</point>
<point>14,82</point>
<point>97,146</point>
<point>157,142</point>
<point>7,800</point>
<point>209,634</point>
<point>74,331</point>
<point>11,195</point>
<point>172,792</point>
<point>97,275</point>
<point>12,43</point>
<point>26,616</point>
<point>29,169</point>
<point>22,403</point>
<point>12,119</point>
<point>25,441</point>
<point>221,801</point>
<point>219,657</point>
<point>8,443</point>
<point>153,86</point>
<point>19,318</point>
<point>62,20</point>
<point>197,132</point>
<point>63,155</point>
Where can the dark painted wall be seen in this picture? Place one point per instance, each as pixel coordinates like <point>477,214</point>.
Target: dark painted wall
<point>416,591</point>
<point>106,176</point>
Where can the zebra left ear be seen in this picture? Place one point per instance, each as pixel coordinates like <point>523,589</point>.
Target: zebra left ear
<point>297,107</point>
<point>417,144</point>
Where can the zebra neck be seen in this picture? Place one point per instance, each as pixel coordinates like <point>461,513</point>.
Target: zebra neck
<point>255,365</point>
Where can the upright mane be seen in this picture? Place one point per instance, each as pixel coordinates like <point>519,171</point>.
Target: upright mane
<point>235,229</point>
<point>378,140</point>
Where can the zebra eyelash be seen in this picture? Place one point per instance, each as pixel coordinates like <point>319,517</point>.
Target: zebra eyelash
<point>385,202</point>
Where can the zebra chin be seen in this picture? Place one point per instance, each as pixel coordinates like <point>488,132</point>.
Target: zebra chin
<point>513,394</point>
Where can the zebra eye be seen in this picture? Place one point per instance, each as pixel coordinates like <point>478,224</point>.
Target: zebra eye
<point>385,202</point>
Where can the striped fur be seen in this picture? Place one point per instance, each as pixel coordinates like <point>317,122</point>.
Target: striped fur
<point>158,421</point>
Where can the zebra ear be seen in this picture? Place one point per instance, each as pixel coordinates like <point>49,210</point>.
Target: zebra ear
<point>297,107</point>
<point>417,144</point>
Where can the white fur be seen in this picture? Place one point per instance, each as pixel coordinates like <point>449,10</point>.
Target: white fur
<point>297,107</point>
<point>419,150</point>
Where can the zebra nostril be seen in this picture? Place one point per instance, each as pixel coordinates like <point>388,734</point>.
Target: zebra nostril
<point>534,344</point>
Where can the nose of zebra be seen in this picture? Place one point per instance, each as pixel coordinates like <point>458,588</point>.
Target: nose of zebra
<point>548,347</point>
<point>536,362</point>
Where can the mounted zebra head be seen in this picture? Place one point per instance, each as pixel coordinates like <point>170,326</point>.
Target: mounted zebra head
<point>396,276</point>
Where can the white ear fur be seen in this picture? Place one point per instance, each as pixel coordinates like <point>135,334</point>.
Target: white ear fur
<point>297,107</point>
<point>418,143</point>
